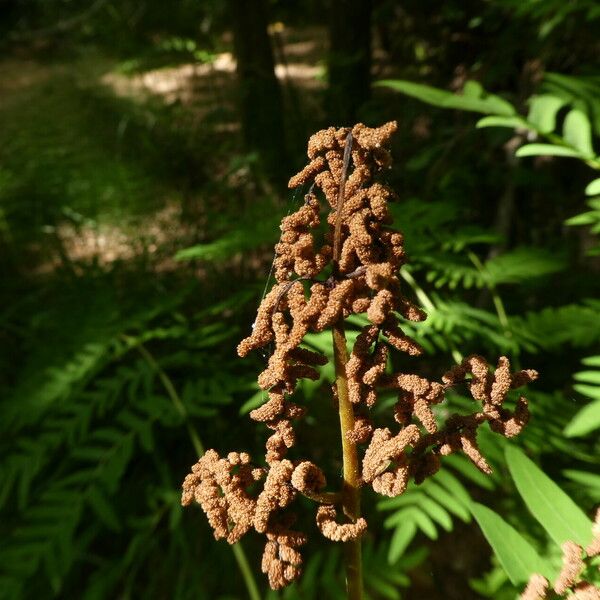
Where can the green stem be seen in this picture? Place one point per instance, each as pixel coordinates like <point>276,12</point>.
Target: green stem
<point>351,487</point>
<point>238,549</point>
<point>246,571</point>
<point>173,395</point>
<point>323,497</point>
<point>497,300</point>
<point>426,301</point>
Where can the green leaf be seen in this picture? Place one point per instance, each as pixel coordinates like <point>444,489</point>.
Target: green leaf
<point>489,104</point>
<point>591,361</point>
<point>454,486</point>
<point>417,516</point>
<point>577,132</point>
<point>591,391</point>
<point>593,188</point>
<point>586,218</point>
<point>543,110</point>
<point>437,513</point>
<point>466,468</point>
<point>383,588</point>
<point>104,511</point>
<point>546,150</point>
<point>473,89</point>
<point>516,555</point>
<point>585,421</point>
<point>257,399</point>
<point>511,122</point>
<point>424,523</point>
<point>588,376</point>
<point>443,497</point>
<point>400,540</point>
<point>522,264</point>
<point>237,239</point>
<point>555,511</point>
<point>589,480</point>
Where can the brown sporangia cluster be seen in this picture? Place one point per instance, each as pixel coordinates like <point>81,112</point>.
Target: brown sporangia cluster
<point>324,273</point>
<point>571,581</point>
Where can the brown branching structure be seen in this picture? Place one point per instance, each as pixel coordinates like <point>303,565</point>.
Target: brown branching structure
<point>321,279</point>
<point>571,581</point>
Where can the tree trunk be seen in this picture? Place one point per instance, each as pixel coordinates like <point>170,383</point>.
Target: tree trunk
<point>349,59</point>
<point>259,92</point>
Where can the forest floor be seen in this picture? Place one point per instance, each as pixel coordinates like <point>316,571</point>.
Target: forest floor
<point>85,171</point>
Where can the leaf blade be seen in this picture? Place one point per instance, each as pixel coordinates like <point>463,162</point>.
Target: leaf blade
<point>489,104</point>
<point>547,502</point>
<point>585,421</point>
<point>577,132</point>
<point>593,187</point>
<point>546,150</point>
<point>516,555</point>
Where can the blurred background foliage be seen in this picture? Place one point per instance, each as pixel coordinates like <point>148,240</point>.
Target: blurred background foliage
<point>142,179</point>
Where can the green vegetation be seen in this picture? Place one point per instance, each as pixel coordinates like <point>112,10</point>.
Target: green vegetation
<point>138,210</point>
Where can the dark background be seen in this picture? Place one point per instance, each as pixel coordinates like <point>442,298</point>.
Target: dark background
<point>145,148</point>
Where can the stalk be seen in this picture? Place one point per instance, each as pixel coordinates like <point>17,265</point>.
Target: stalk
<point>498,304</point>
<point>238,549</point>
<point>426,301</point>
<point>351,486</point>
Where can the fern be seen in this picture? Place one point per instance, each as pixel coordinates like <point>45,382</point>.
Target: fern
<point>323,574</point>
<point>589,482</point>
<point>553,327</point>
<point>431,506</point>
<point>46,532</point>
<point>75,465</point>
<point>588,384</point>
<point>516,266</point>
<point>591,217</point>
<point>54,385</point>
<point>460,323</point>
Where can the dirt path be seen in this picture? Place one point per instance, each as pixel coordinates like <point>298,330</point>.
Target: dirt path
<point>77,141</point>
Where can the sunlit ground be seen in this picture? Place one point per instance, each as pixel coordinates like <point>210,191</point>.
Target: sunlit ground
<point>198,90</point>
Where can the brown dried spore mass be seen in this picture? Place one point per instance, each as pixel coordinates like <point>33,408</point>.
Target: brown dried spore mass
<point>571,581</point>
<point>316,290</point>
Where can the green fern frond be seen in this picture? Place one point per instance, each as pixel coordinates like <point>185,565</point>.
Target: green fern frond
<point>512,267</point>
<point>588,384</point>
<point>429,507</point>
<point>53,386</point>
<point>460,323</point>
<point>552,328</point>
<point>521,265</point>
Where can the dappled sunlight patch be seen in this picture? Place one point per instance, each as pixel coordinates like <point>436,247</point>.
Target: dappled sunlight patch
<point>189,82</point>
<point>177,83</point>
<point>302,74</point>
<point>153,237</point>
